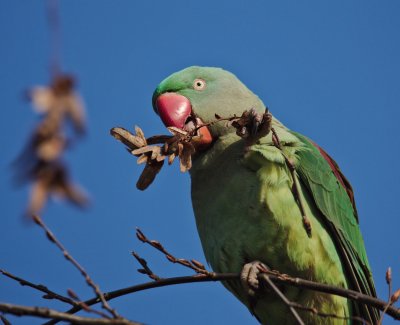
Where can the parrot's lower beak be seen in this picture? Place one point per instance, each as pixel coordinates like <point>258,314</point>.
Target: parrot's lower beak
<point>176,110</point>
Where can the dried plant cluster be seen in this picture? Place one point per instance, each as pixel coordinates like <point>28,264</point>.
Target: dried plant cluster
<point>153,151</point>
<point>179,144</point>
<point>40,162</point>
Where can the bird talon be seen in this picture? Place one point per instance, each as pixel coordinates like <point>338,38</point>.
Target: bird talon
<point>249,277</point>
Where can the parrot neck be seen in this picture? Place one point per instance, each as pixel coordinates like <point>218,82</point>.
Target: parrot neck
<point>205,159</point>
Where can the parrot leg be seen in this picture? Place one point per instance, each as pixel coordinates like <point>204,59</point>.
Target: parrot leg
<point>249,277</point>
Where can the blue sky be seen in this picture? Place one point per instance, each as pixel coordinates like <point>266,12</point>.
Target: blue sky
<point>329,70</point>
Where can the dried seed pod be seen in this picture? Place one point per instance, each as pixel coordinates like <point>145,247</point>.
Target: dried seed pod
<point>395,296</point>
<point>171,158</point>
<point>139,151</point>
<point>140,235</point>
<point>142,159</point>
<point>72,294</point>
<point>156,151</point>
<point>160,157</point>
<point>140,135</point>
<point>389,275</point>
<point>149,173</point>
<point>198,264</point>
<point>127,138</point>
<point>158,139</point>
<point>156,244</point>
<point>170,258</point>
<point>174,130</point>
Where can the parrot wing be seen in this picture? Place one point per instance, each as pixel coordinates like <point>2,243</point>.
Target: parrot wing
<point>333,196</point>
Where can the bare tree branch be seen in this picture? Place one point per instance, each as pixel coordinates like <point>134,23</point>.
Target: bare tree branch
<point>153,284</point>
<point>49,294</point>
<point>146,269</point>
<point>268,277</point>
<point>192,264</point>
<point>43,312</point>
<point>274,276</point>
<point>88,279</point>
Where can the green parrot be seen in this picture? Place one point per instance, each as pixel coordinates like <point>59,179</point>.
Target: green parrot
<point>245,209</point>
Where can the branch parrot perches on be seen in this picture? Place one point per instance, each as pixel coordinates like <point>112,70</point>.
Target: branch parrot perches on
<point>246,212</point>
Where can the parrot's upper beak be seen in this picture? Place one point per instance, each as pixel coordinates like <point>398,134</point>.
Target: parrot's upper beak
<point>176,110</point>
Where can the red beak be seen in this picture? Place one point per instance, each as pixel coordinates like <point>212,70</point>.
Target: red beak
<point>174,110</point>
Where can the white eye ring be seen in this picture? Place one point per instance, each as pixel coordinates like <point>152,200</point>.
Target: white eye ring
<point>199,84</point>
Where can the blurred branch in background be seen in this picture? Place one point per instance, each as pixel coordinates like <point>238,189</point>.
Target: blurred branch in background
<point>41,161</point>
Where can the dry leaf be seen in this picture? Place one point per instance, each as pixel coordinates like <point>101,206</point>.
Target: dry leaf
<point>157,139</point>
<point>142,159</point>
<point>143,150</point>
<point>127,138</point>
<point>149,173</point>
<point>185,155</point>
<point>140,135</point>
<point>171,158</point>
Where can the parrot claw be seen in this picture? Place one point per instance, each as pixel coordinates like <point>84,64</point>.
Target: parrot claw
<point>249,277</point>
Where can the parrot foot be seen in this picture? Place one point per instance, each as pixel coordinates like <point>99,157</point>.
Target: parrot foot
<point>249,277</point>
<point>252,126</point>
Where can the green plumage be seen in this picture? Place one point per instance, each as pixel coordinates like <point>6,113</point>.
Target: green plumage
<point>245,209</point>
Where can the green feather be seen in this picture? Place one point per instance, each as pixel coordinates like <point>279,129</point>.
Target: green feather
<point>334,203</point>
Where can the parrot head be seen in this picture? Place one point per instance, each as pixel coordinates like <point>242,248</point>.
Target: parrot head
<point>191,97</point>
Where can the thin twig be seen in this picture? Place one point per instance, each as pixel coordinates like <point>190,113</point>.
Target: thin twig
<point>44,312</point>
<point>4,320</point>
<point>49,294</point>
<point>88,279</point>
<point>192,264</point>
<point>393,298</point>
<point>388,278</point>
<point>286,301</point>
<point>55,36</point>
<point>86,308</point>
<point>296,186</point>
<point>146,270</point>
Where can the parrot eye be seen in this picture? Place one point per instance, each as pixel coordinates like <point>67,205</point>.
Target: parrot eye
<point>199,84</point>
